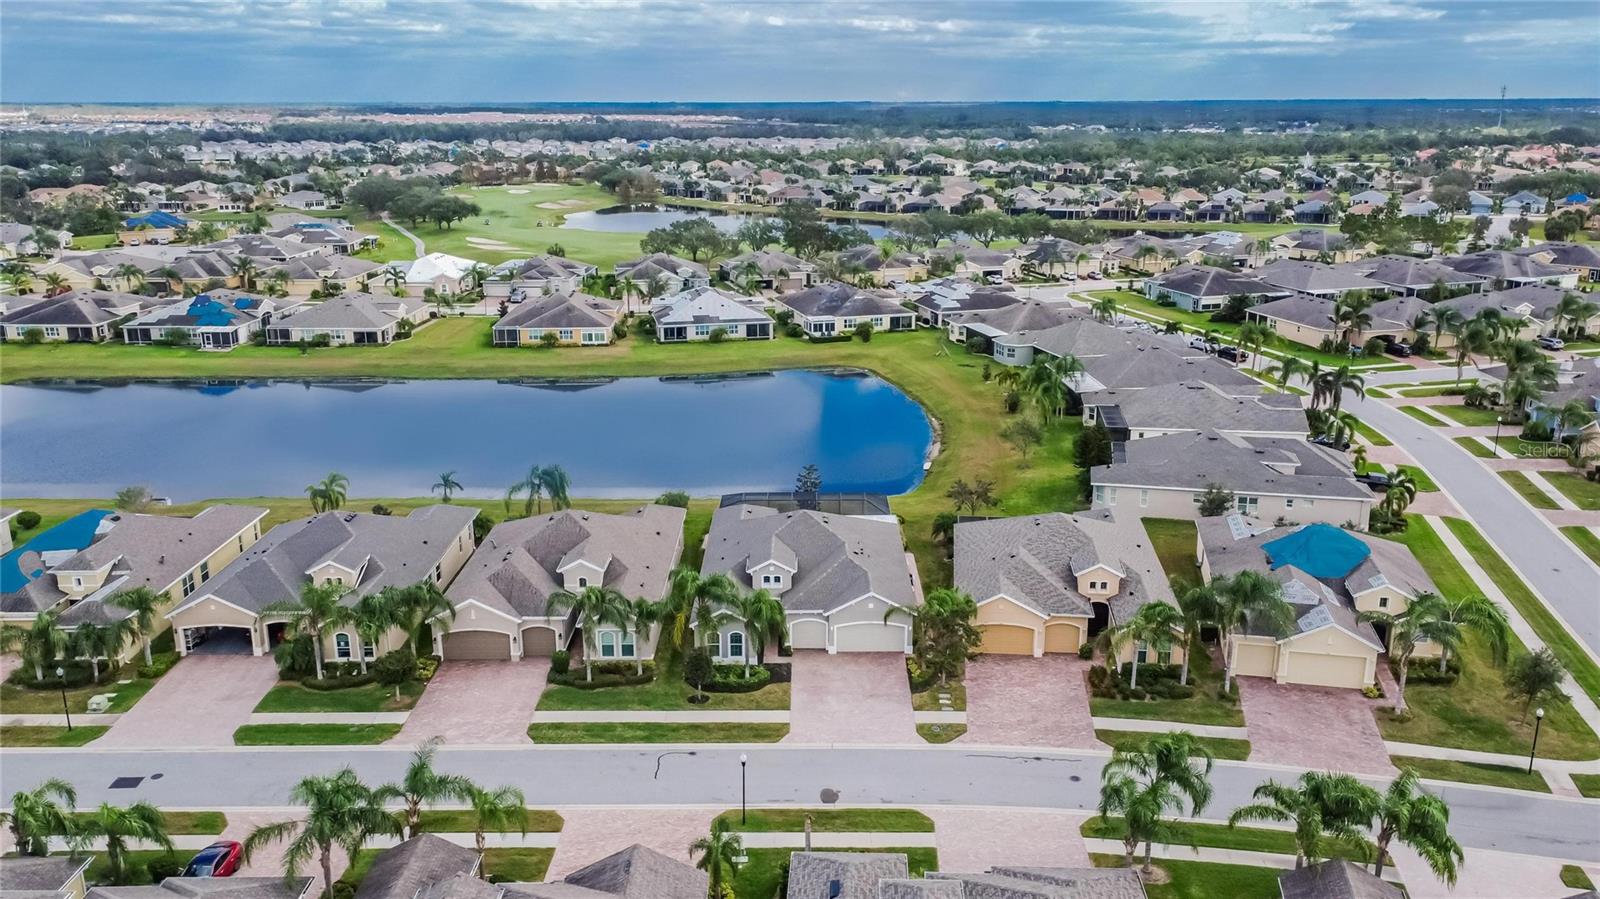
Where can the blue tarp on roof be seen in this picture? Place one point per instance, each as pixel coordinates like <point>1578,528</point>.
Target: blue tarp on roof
<point>157,219</point>
<point>75,533</point>
<point>1577,198</point>
<point>1320,550</point>
<point>208,313</point>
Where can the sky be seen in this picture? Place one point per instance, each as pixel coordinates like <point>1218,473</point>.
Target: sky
<point>465,51</point>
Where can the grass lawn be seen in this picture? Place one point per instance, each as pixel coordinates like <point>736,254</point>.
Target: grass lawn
<point>1419,414</point>
<point>1528,490</point>
<point>1174,543</point>
<point>1588,784</point>
<point>759,877</point>
<point>946,380</point>
<point>667,692</point>
<point>1585,540</point>
<point>1584,493</point>
<point>1370,435</point>
<point>191,823</point>
<point>1202,708</point>
<point>1205,880</point>
<point>93,241</point>
<point>1474,713</point>
<point>1450,389</point>
<point>831,820</point>
<point>928,700</point>
<point>1473,416</point>
<point>657,733</point>
<point>1425,483</point>
<point>16,736</point>
<point>313,734</point>
<point>1221,836</point>
<point>1221,747</point>
<point>1474,773</point>
<point>941,733</point>
<point>519,865</point>
<point>1475,446</point>
<point>292,697</point>
<point>15,700</point>
<point>1575,877</point>
<point>463,820</point>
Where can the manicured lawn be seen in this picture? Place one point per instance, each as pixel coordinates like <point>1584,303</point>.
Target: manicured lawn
<point>16,736</point>
<point>667,692</point>
<point>1425,483</point>
<point>519,865</point>
<point>1474,773</point>
<point>1174,541</point>
<point>93,241</point>
<point>1473,416</point>
<point>831,820</point>
<point>928,700</point>
<point>1450,389</point>
<point>941,733</point>
<point>463,820</point>
<point>292,697</point>
<point>1585,540</point>
<point>1370,435</point>
<point>1221,747</point>
<point>1584,493</point>
<point>191,823</point>
<point>1419,414</point>
<point>1475,446</point>
<point>313,734</point>
<point>1528,490</point>
<point>136,860</point>
<point>1575,877</point>
<point>1221,836</point>
<point>1202,708</point>
<point>657,733</point>
<point>759,877</point>
<point>1588,784</point>
<point>15,700</point>
<point>1204,880</point>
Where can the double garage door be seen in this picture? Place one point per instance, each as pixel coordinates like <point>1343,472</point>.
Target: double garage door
<point>1016,640</point>
<point>467,646</point>
<point>1323,670</point>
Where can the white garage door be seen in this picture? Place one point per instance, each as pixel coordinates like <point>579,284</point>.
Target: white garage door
<point>1325,670</point>
<point>462,646</point>
<point>869,637</point>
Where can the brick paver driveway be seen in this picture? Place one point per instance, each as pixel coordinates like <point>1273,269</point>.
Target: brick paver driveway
<point>1312,727</point>
<point>977,839</point>
<point>852,697</point>
<point>200,702</point>
<point>593,833</point>
<point>1022,701</point>
<point>478,702</point>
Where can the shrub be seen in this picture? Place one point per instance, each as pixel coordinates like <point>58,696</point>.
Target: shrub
<point>793,329</point>
<point>395,667</point>
<point>427,667</point>
<point>919,678</point>
<point>606,674</point>
<point>294,657</point>
<point>33,336</point>
<point>560,661</point>
<point>864,331</point>
<point>549,339</point>
<point>1086,650</point>
<point>1536,432</point>
<point>1373,347</point>
<point>166,866</point>
<point>344,889</point>
<point>481,526</point>
<point>321,340</point>
<point>717,335</point>
<point>381,509</point>
<point>732,679</point>
<point>160,663</point>
<point>1013,402</point>
<point>342,680</point>
<point>77,674</point>
<point>697,668</point>
<point>1371,691</point>
<point>676,498</point>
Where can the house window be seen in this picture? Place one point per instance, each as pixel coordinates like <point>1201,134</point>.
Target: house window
<point>1099,495</point>
<point>241,543</point>
<point>735,645</point>
<point>1288,502</point>
<point>1383,602</point>
<point>565,334</point>
<point>628,645</point>
<point>1164,656</point>
<point>52,332</point>
<point>608,644</point>
<point>702,330</point>
<point>1246,504</point>
<point>205,571</point>
<point>188,583</point>
<point>1142,655</point>
<point>341,646</point>
<point>369,650</point>
<point>583,581</point>
<point>438,573</point>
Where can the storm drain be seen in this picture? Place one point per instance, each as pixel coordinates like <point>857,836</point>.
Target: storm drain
<point>126,783</point>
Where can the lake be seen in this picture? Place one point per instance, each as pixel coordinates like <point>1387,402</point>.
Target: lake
<point>625,437</point>
<point>636,220</point>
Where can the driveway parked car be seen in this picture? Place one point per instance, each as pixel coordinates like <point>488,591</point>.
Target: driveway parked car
<point>1232,354</point>
<point>1377,482</point>
<point>220,859</point>
<point>1550,342</point>
<point>1394,346</point>
<point>1201,344</point>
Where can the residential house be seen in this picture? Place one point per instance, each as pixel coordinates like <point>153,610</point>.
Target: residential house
<point>1535,304</point>
<point>1576,380</point>
<point>77,316</point>
<point>1479,204</point>
<point>160,227</point>
<point>869,260</point>
<point>19,240</point>
<point>1054,257</point>
<point>25,586</point>
<point>845,581</point>
<point>423,866</point>
<point>1410,276</point>
<point>1502,268</point>
<point>1374,197</point>
<point>326,236</point>
<point>1320,244</point>
<point>1336,879</point>
<point>439,272</point>
<point>212,888</point>
<point>1011,318</point>
<point>670,273</point>
<point>936,301</point>
<point>304,199</point>
<point>1205,288</point>
<point>350,319</point>
<point>1524,203</point>
<point>517,279</point>
<point>1314,212</point>
<point>576,319</point>
<point>882,875</point>
<point>1309,320</point>
<point>362,552</point>
<point>768,270</point>
<point>1183,406</point>
<point>1315,278</point>
<point>44,877</point>
<point>1112,358</point>
<point>502,597</point>
<point>834,309</point>
<point>968,260</point>
<point>1278,478</point>
<point>1580,258</point>
<point>698,313</point>
<point>219,320</point>
<point>1051,583</point>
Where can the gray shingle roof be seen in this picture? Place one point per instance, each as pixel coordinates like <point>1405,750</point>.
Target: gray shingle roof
<point>1029,315</point>
<point>1188,405</point>
<point>1050,883</point>
<point>561,310</point>
<point>412,867</point>
<point>544,268</point>
<point>1537,301</point>
<point>45,874</point>
<point>1209,281</point>
<point>352,311</point>
<point>1500,265</point>
<point>1313,277</point>
<point>1562,253</point>
<point>839,558</point>
<point>707,306</point>
<point>210,888</point>
<point>1260,465</point>
<point>77,307</point>
<point>1407,272</point>
<point>842,300</point>
<point>842,875</point>
<point>1335,880</point>
<point>1113,358</point>
<point>659,265</point>
<point>641,873</point>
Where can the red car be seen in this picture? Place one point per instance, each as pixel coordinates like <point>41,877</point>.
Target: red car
<point>220,859</point>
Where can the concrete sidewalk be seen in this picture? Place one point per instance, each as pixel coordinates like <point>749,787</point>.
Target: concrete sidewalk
<point>328,717</point>
<point>734,716</point>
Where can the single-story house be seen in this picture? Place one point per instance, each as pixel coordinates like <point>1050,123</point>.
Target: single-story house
<point>1534,303</point>
<point>441,272</point>
<point>361,551</point>
<point>577,319</point>
<point>833,309</point>
<point>1524,203</point>
<point>304,199</point>
<point>219,320</point>
<point>936,301</point>
<point>1338,879</point>
<point>1181,406</point>
<point>534,275</point>
<point>1055,257</point>
<point>1308,320</point>
<point>1112,358</point>
<point>968,259</point>
<point>1319,244</point>
<point>1315,278</point>
<point>697,314</point>
<point>883,875</point>
<point>868,260</point>
<point>502,596</point>
<point>771,270</point>
<point>18,240</point>
<point>77,316</point>
<point>1578,380</point>
<point>671,273</point>
<point>349,319</point>
<point>1204,288</point>
<point>1583,259</point>
<point>1028,315</point>
<point>212,888</point>
<point>430,867</point>
<point>1503,268</point>
<point>326,236</point>
<point>845,581</point>
<point>1410,276</point>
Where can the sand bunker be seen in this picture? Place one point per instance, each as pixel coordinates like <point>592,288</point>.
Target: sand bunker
<point>516,190</point>
<point>561,204</point>
<point>489,243</point>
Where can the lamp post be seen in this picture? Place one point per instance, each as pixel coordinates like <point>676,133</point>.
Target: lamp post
<point>1538,719</point>
<point>61,673</point>
<point>744,760</point>
<point>1498,421</point>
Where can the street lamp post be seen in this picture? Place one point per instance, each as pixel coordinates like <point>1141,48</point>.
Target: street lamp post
<point>1498,421</point>
<point>744,760</point>
<point>61,673</point>
<point>1538,719</point>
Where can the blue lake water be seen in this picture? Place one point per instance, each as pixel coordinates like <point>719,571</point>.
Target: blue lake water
<point>628,437</point>
<point>624,219</point>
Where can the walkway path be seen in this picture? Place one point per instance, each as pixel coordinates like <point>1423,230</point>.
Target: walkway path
<point>416,242</point>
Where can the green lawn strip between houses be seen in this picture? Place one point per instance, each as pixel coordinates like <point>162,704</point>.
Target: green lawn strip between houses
<point>1223,748</point>
<point>201,823</point>
<point>15,700</point>
<point>1221,836</point>
<point>654,732</point>
<point>463,820</point>
<point>941,733</point>
<point>928,700</point>
<point>761,875</point>
<point>1474,773</point>
<point>1424,417</point>
<point>1419,475</point>
<point>1370,436</point>
<point>1203,880</point>
<point>830,820</point>
<point>1475,446</point>
<point>1528,490</point>
<point>1585,540</point>
<point>314,734</point>
<point>1584,493</point>
<point>16,736</point>
<point>1471,416</point>
<point>1587,784</point>
<point>292,697</point>
<point>1175,543</point>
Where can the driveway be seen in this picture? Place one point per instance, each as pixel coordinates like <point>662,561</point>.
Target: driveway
<point>478,702</point>
<point>1312,727</point>
<point>977,839</point>
<point>200,702</point>
<point>1022,701</point>
<point>854,697</point>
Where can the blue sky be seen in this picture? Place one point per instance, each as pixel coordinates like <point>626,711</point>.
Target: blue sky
<point>219,51</point>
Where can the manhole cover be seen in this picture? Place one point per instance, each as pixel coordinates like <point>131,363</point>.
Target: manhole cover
<point>830,796</point>
<point>126,783</point>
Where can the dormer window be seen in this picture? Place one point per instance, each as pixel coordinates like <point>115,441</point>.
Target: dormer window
<point>582,581</point>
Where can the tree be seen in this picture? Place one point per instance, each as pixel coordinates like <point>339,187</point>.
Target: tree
<point>694,598</point>
<point>1401,493</point>
<point>39,644</point>
<point>972,497</point>
<point>719,853</point>
<point>1484,617</point>
<point>1152,626</point>
<point>41,813</point>
<point>1321,806</point>
<point>1329,386</point>
<point>1251,337</point>
<point>419,605</point>
<point>942,633</point>
<point>1420,820</point>
<point>809,480</point>
<point>421,785</point>
<point>498,810</point>
<point>1105,308</point>
<point>1474,336</point>
<point>1249,598</point>
<point>1216,500</point>
<point>341,812</point>
<point>1532,677</point>
<point>133,499</point>
<point>1422,623</point>
<point>446,486</point>
<point>244,268</point>
<point>373,616</point>
<point>1023,435</point>
<point>643,614</point>
<point>1144,782</point>
<point>329,493</point>
<point>556,486</point>
<point>1198,607</point>
<point>763,620</point>
<point>595,607</point>
<point>143,604</point>
<point>1091,450</point>
<point>1288,369</point>
<point>114,827</point>
<point>317,612</point>
<point>100,641</point>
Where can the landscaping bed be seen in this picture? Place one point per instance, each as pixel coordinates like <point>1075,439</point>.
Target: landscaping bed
<point>655,732</point>
<point>1204,880</point>
<point>1165,699</point>
<point>314,734</point>
<point>291,696</point>
<point>463,820</point>
<point>1221,836</point>
<point>1474,773</point>
<point>941,733</point>
<point>664,692</point>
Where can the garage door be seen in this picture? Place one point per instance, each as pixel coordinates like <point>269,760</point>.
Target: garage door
<point>808,634</point>
<point>1062,637</point>
<point>463,646</point>
<point>868,637</point>
<point>1007,639</point>
<point>1321,670</point>
<point>538,641</point>
<point>1256,659</point>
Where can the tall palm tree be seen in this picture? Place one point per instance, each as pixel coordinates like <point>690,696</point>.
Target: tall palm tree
<point>1444,320</point>
<point>329,493</point>
<point>422,785</point>
<point>341,813</point>
<point>1105,308</point>
<point>100,641</point>
<point>1352,315</point>
<point>1152,626</point>
<point>317,612</point>
<point>556,483</point>
<point>1420,820</point>
<point>694,598</point>
<point>1401,493</point>
<point>55,283</point>
<point>643,614</point>
<point>498,810</point>
<point>1574,310</point>
<point>1248,598</point>
<point>417,607</point>
<point>719,853</point>
<point>395,280</point>
<point>41,813</point>
<point>129,274</point>
<point>1574,415</point>
<point>763,620</point>
<point>373,616</point>
<point>1321,806</point>
<point>1146,780</point>
<point>144,605</point>
<point>1423,622</point>
<point>1198,607</point>
<point>531,486</point>
<point>115,827</point>
<point>244,268</point>
<point>39,644</point>
<point>1251,337</point>
<point>447,485</point>
<point>1471,337</point>
<point>595,607</point>
<point>1331,385</point>
<point>1286,370</point>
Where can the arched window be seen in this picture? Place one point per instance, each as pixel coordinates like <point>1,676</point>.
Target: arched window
<point>583,582</point>
<point>735,645</point>
<point>341,646</point>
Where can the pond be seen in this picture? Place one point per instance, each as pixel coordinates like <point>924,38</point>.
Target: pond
<point>625,437</point>
<point>632,219</point>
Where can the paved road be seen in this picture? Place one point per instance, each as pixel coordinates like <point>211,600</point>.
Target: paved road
<point>598,775</point>
<point>416,241</point>
<point>1547,560</point>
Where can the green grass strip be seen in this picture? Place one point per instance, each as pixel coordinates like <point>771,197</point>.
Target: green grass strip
<point>1474,773</point>
<point>657,733</point>
<point>830,820</point>
<point>314,734</point>
<point>1528,490</point>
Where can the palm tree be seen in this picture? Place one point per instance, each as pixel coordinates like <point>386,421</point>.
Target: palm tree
<point>1351,314</point>
<point>1420,820</point>
<point>446,485</point>
<point>532,485</point>
<point>129,274</point>
<point>643,614</point>
<point>1401,493</point>
<point>1105,308</point>
<point>1444,319</point>
<point>498,810</point>
<point>693,598</point>
<point>1248,598</point>
<point>556,484</point>
<point>1573,309</point>
<point>1321,805</point>
<point>1146,780</point>
<point>39,644</point>
<point>719,853</point>
<point>1471,337</point>
<point>421,785</point>
<point>1424,621</point>
<point>341,812</point>
<point>395,280</point>
<point>1198,607</point>
<point>329,493</point>
<point>55,283</point>
<point>1251,337</point>
<point>763,620</point>
<point>1574,415</point>
<point>417,606</point>
<point>244,268</point>
<point>595,608</point>
<point>373,616</point>
<point>278,282</point>
<point>1331,385</point>
<point>1286,370</point>
<point>1152,626</point>
<point>318,611</point>
<point>143,604</point>
<point>100,641</point>
<point>41,813</point>
<point>115,827</point>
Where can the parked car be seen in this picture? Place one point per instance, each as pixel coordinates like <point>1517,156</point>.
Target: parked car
<point>220,859</point>
<point>1378,483</point>
<point>1201,344</point>
<point>1232,354</point>
<point>1072,276</point>
<point>1325,440</point>
<point>1094,276</point>
<point>1394,346</point>
<point>995,280</point>
<point>1550,342</point>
